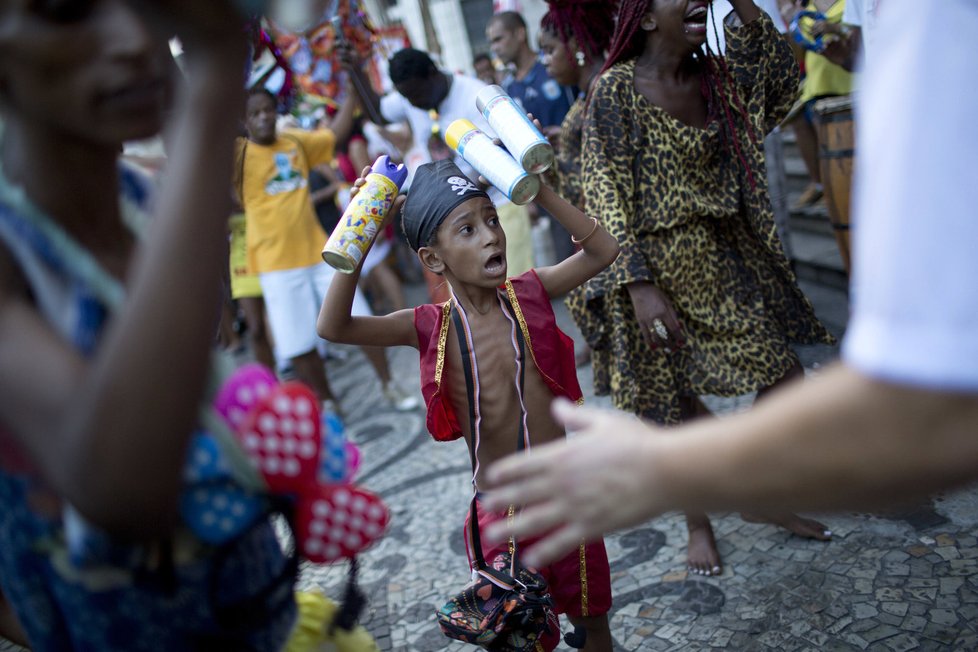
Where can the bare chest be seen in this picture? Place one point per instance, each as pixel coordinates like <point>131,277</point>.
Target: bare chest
<point>501,401</point>
<point>683,101</point>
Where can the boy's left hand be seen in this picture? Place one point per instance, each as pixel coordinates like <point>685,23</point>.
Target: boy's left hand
<point>347,55</point>
<point>483,183</point>
<point>395,207</point>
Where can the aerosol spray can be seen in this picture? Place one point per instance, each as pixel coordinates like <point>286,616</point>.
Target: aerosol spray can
<point>492,161</point>
<point>362,218</point>
<point>518,133</point>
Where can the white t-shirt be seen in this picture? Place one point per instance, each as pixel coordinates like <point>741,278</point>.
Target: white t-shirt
<point>915,277</point>
<point>459,103</point>
<point>865,15</point>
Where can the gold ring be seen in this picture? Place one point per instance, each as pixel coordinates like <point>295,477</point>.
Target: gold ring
<point>660,329</point>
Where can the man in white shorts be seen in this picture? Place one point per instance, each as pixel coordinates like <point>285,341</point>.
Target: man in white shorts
<point>285,240</point>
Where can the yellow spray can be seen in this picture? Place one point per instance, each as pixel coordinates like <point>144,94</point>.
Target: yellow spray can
<point>361,220</point>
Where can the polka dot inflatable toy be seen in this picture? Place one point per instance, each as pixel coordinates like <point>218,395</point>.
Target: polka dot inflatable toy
<point>239,394</point>
<point>215,507</point>
<point>352,461</point>
<point>204,461</point>
<point>300,454</point>
<point>338,521</point>
<point>281,435</point>
<point>333,467</point>
<point>219,511</point>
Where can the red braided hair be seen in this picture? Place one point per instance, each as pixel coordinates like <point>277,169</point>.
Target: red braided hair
<point>629,39</point>
<point>589,22</point>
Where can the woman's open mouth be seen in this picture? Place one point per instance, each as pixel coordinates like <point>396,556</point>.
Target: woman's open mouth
<point>496,265</point>
<point>695,19</point>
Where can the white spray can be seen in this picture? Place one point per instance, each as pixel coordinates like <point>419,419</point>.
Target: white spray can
<point>518,133</point>
<point>492,161</point>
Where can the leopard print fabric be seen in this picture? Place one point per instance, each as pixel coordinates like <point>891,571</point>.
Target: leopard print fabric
<point>569,154</point>
<point>694,218</point>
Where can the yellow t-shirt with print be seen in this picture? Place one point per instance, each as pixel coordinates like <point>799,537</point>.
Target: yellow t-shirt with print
<point>282,229</point>
<point>822,77</point>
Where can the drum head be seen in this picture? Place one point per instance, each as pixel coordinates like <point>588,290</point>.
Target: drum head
<point>829,105</point>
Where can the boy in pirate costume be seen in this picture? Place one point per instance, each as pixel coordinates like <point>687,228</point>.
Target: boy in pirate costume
<point>452,225</point>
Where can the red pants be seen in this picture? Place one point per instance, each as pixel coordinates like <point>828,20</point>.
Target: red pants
<point>580,583</point>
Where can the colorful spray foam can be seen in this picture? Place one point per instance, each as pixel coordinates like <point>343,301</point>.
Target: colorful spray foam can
<point>518,133</point>
<point>361,220</point>
<point>492,161</point>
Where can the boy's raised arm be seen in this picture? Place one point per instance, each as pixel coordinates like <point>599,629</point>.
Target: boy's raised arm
<point>337,324</point>
<point>598,247</point>
<point>361,86</point>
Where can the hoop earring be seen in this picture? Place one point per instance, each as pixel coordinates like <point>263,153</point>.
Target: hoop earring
<point>580,59</point>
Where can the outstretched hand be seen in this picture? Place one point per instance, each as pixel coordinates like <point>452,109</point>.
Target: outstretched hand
<point>577,490</point>
<point>536,123</point>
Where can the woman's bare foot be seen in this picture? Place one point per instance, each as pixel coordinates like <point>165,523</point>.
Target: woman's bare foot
<point>702,556</point>
<point>797,525</point>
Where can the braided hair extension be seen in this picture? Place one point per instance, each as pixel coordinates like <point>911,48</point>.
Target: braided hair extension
<point>590,23</point>
<point>719,87</point>
<point>723,84</point>
<point>628,40</point>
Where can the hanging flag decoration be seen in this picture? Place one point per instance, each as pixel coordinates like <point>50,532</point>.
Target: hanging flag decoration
<point>312,55</point>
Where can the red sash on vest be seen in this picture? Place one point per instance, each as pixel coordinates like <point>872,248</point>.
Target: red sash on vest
<point>551,350</point>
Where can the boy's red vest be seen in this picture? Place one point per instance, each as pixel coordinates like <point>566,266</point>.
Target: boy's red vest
<point>551,350</point>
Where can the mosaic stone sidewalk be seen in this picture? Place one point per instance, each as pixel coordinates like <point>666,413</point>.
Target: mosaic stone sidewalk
<point>903,581</point>
<point>906,580</point>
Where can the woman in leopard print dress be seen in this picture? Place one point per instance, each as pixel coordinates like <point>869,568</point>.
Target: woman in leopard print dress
<point>702,299</point>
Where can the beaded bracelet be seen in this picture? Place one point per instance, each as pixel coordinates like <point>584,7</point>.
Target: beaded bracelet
<point>594,228</point>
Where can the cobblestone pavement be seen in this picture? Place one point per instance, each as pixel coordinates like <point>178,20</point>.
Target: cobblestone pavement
<point>903,581</point>
<point>906,580</point>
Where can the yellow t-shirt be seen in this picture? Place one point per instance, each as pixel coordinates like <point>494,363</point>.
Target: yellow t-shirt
<point>822,77</point>
<point>283,232</point>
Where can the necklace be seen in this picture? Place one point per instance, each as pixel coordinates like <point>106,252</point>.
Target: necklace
<point>83,265</point>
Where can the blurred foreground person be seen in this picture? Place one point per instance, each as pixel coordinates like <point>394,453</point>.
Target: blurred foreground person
<point>104,339</point>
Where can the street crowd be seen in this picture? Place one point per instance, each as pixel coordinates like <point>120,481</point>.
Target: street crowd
<point>130,282</point>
